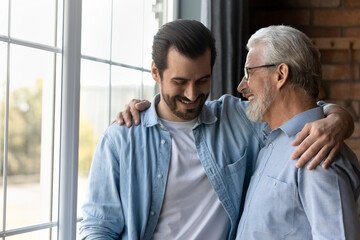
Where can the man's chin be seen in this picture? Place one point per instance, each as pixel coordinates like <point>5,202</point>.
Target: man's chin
<point>188,115</point>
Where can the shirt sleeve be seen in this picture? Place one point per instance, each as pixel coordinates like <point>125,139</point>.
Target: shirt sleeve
<point>102,209</point>
<point>329,200</point>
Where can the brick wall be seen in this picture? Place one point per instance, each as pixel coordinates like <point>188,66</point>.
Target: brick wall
<point>323,19</point>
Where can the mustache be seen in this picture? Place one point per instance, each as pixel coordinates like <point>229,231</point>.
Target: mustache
<point>188,100</point>
<point>245,91</point>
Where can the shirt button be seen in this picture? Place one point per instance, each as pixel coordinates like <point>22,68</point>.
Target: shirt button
<point>163,141</point>
<point>270,145</point>
<point>152,213</point>
<point>159,176</point>
<point>259,173</point>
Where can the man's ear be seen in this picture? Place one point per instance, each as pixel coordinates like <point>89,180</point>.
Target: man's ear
<point>155,72</point>
<point>283,74</point>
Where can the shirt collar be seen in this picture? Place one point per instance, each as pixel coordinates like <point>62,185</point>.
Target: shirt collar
<point>297,123</point>
<point>150,118</point>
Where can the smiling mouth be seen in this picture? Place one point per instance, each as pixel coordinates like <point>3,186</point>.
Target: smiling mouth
<point>185,101</point>
<point>250,97</point>
<point>187,104</point>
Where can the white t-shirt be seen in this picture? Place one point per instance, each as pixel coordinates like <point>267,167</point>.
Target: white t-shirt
<point>191,208</point>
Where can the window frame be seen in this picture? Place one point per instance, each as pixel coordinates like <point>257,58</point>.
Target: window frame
<point>68,114</point>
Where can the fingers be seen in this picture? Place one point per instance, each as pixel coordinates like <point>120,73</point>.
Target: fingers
<point>331,156</point>
<point>118,119</point>
<point>132,112</point>
<point>319,157</point>
<point>301,136</point>
<point>142,105</point>
<point>126,115</point>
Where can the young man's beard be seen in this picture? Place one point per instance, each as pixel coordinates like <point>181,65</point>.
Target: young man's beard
<point>188,114</point>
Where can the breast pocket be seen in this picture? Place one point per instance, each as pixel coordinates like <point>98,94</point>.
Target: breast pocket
<point>235,175</point>
<point>276,201</point>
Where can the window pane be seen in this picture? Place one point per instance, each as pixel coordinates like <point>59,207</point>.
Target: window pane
<point>127,44</point>
<point>41,235</point>
<point>151,26</point>
<point>125,85</point>
<point>94,116</point>
<point>33,20</point>
<point>29,70</point>
<point>150,87</point>
<point>4,17</point>
<point>59,23</point>
<point>96,27</point>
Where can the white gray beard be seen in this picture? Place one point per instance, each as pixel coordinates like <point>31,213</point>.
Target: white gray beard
<point>256,110</point>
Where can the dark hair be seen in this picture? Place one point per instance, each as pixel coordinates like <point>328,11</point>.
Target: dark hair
<point>191,38</point>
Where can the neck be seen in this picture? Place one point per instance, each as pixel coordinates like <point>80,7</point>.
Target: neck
<point>287,105</point>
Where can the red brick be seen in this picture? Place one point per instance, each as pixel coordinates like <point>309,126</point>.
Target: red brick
<point>356,56</point>
<point>352,3</point>
<point>312,3</point>
<point>338,72</point>
<point>337,17</point>
<point>295,3</point>
<point>344,91</point>
<point>315,32</point>
<point>286,17</point>
<point>340,56</point>
<point>335,56</point>
<point>354,144</point>
<point>352,32</point>
<point>356,133</point>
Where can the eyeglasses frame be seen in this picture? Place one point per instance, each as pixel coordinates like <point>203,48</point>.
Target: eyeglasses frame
<point>246,69</point>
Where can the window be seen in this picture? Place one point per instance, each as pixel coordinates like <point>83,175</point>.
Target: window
<point>116,38</point>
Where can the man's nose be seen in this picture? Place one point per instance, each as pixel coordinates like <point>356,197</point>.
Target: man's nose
<point>242,84</point>
<point>191,92</point>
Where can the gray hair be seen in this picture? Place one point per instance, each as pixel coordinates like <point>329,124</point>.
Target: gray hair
<point>284,44</point>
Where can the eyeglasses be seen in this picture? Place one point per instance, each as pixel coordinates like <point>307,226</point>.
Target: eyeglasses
<point>246,69</point>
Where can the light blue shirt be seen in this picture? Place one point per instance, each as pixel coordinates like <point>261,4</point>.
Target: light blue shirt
<point>285,202</point>
<point>129,171</point>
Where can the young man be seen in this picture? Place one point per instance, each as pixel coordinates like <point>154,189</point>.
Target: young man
<point>180,174</point>
<point>282,74</point>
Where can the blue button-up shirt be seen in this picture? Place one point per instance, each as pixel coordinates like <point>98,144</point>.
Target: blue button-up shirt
<point>129,171</point>
<point>285,202</point>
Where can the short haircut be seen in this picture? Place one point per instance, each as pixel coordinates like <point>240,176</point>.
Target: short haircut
<point>284,44</point>
<point>191,38</point>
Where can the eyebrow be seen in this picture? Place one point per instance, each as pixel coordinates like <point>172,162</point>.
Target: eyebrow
<point>186,79</point>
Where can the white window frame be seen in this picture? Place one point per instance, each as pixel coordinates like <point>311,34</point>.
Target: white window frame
<point>69,122</point>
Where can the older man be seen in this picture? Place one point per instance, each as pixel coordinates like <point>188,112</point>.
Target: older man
<point>282,73</point>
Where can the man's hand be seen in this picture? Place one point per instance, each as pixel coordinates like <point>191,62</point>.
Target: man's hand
<point>131,112</point>
<point>323,138</point>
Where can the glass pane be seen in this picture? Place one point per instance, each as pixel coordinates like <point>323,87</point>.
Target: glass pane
<point>33,20</point>
<point>127,43</point>
<point>59,24</point>
<point>30,71</point>
<point>150,87</point>
<point>94,116</point>
<point>96,28</point>
<point>125,85</point>
<point>40,235</point>
<point>4,17</point>
<point>3,67</point>
<point>151,26</point>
